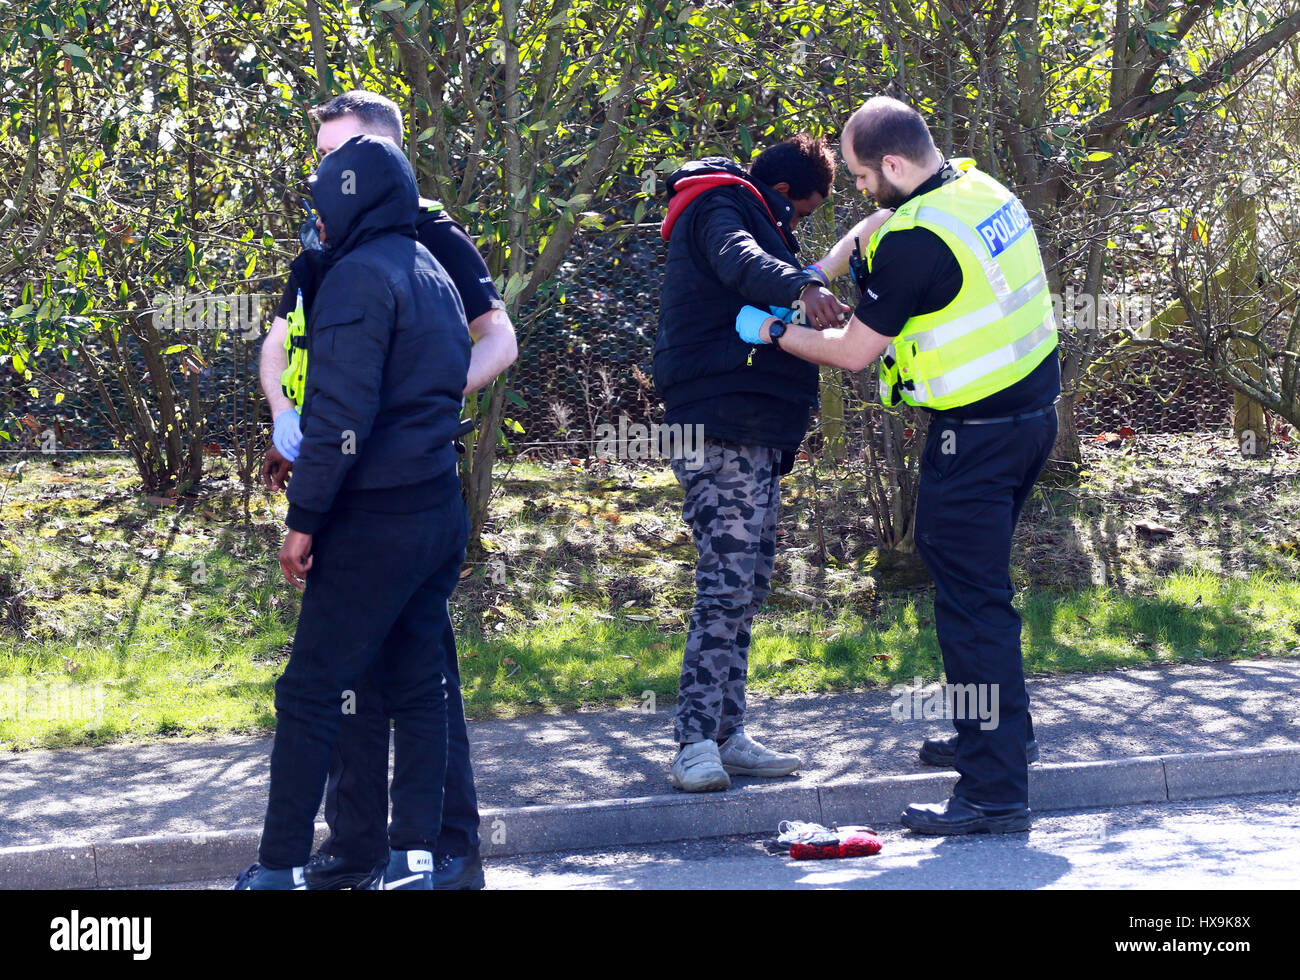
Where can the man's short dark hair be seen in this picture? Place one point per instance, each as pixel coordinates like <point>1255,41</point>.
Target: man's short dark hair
<point>885,126</point>
<point>805,163</point>
<point>378,116</point>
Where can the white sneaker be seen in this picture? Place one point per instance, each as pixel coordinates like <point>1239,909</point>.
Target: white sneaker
<point>697,769</point>
<point>742,756</point>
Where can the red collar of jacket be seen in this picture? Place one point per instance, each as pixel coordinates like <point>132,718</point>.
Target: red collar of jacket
<point>689,188</point>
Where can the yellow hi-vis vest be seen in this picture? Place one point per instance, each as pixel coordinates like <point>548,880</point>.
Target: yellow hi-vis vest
<point>1000,326</point>
<point>293,380</point>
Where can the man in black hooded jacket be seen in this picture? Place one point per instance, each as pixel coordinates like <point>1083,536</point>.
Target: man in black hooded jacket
<point>377,527</point>
<point>731,243</point>
<point>356,796</point>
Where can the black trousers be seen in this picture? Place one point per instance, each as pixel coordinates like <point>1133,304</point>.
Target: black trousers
<point>371,632</point>
<point>969,501</point>
<point>356,793</point>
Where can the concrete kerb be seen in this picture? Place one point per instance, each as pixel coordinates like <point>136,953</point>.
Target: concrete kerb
<point>1205,774</point>
<point>621,822</point>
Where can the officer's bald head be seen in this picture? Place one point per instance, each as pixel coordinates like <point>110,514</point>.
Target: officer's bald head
<point>887,127</point>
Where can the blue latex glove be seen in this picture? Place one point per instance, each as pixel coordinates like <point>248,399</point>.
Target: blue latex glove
<point>287,436</point>
<point>749,323</point>
<point>782,312</point>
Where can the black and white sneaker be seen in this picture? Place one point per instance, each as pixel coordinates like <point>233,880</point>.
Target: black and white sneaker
<point>259,879</point>
<point>404,871</point>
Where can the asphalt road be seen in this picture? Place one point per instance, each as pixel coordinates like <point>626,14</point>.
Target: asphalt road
<point>1245,842</point>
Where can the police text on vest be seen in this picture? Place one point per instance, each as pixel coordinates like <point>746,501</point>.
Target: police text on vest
<point>1003,227</point>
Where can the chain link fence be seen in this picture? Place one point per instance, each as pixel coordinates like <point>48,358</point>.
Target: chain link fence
<point>585,361</point>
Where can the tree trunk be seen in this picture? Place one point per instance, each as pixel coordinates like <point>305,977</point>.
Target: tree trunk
<point>476,468</point>
<point>1067,448</point>
<point>1249,422</point>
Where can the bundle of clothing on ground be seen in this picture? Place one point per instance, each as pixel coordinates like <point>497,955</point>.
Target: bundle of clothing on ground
<point>804,841</point>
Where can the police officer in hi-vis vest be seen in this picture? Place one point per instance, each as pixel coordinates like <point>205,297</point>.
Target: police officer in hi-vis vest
<point>955,298</point>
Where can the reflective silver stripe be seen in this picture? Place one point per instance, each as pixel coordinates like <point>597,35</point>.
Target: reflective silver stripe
<point>886,388</point>
<point>946,332</point>
<point>957,378</point>
<point>992,271</point>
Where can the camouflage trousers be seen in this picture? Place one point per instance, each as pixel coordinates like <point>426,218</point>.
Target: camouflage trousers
<point>731,508</point>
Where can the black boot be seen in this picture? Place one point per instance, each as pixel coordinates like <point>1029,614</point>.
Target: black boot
<point>453,872</point>
<point>958,816</point>
<point>326,872</point>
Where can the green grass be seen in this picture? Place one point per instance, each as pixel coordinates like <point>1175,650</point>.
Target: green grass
<point>577,659</point>
<point>179,617</point>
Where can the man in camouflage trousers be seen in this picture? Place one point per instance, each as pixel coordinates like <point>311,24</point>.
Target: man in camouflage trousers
<point>731,506</point>
<point>731,244</point>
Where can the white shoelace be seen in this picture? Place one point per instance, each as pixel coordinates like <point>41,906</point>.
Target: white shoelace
<point>789,831</point>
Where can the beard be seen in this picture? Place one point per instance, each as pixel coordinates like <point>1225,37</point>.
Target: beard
<point>890,196</point>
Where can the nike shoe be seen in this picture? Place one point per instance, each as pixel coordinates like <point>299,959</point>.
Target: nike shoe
<point>259,879</point>
<point>403,871</point>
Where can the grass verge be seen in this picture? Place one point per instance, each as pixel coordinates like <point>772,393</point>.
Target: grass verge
<point>122,619</point>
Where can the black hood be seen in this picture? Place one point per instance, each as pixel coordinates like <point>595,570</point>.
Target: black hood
<point>364,189</point>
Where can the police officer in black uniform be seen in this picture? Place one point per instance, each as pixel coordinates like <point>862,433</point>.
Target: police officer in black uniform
<point>979,465</point>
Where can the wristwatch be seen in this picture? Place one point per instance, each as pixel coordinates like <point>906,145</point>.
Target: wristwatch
<point>776,331</point>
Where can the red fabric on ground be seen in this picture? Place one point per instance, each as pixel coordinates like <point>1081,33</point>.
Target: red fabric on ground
<point>836,846</point>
